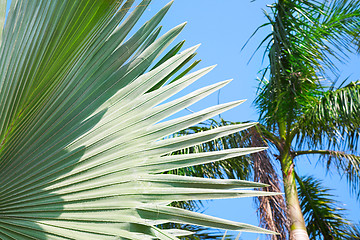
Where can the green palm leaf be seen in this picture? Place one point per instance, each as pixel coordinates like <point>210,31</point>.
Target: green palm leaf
<point>347,165</point>
<point>307,37</point>
<point>334,120</point>
<point>323,215</point>
<point>199,233</point>
<point>233,168</point>
<point>258,166</point>
<point>334,115</point>
<point>82,135</point>
<point>356,232</point>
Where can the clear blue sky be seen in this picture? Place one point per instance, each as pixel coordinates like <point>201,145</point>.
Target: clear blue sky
<point>222,27</point>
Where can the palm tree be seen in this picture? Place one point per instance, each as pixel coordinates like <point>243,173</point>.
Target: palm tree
<point>82,125</point>
<point>301,112</point>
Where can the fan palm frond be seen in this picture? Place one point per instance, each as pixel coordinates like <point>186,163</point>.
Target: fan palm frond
<point>82,128</point>
<point>234,168</point>
<point>199,233</point>
<point>259,166</point>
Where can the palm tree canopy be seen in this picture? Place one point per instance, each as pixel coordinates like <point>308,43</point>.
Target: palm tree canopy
<point>307,37</point>
<point>83,122</point>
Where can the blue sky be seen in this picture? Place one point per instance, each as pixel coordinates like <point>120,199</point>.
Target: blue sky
<point>222,27</point>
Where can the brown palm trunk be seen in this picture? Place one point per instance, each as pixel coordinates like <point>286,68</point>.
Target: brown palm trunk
<point>294,213</point>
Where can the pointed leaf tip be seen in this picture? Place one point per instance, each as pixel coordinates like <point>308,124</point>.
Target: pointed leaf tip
<point>238,102</point>
<point>197,46</point>
<point>190,50</point>
<point>170,3</point>
<point>180,26</point>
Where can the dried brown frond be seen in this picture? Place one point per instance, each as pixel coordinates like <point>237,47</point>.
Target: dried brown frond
<point>271,210</point>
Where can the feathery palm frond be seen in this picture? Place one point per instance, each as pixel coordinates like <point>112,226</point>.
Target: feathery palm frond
<point>333,119</point>
<point>356,233</point>
<point>81,126</point>
<point>345,164</point>
<point>324,217</point>
<point>305,34</point>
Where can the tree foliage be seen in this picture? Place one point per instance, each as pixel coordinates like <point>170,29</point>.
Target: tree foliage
<point>324,215</point>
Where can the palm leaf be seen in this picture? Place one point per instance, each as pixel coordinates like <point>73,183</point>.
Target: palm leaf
<point>233,168</point>
<point>199,233</point>
<point>81,136</point>
<point>333,116</point>
<point>334,120</point>
<point>356,232</point>
<point>323,215</point>
<point>259,166</point>
<point>347,165</point>
<point>301,49</point>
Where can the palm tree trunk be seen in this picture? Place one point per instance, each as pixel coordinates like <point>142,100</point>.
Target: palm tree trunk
<point>294,213</point>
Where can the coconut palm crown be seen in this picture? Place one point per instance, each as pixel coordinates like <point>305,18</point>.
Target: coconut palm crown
<point>82,125</point>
